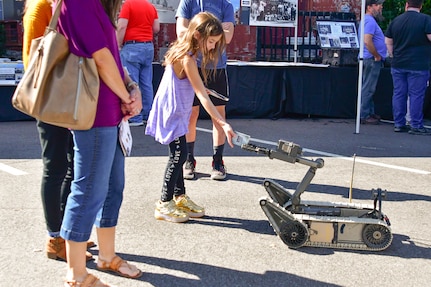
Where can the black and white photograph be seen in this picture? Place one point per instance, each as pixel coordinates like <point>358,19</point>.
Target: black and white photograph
<point>344,41</point>
<point>324,29</point>
<point>348,29</point>
<point>334,43</point>
<point>353,42</point>
<point>281,13</point>
<point>324,41</point>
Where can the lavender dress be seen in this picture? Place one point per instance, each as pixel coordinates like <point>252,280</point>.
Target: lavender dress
<point>170,114</point>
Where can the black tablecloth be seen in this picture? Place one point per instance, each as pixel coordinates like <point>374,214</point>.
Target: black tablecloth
<point>280,91</point>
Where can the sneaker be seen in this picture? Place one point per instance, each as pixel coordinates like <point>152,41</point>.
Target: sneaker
<point>219,171</point>
<point>193,210</point>
<point>136,124</point>
<point>370,121</point>
<point>420,131</point>
<point>169,211</point>
<point>189,169</point>
<point>402,129</point>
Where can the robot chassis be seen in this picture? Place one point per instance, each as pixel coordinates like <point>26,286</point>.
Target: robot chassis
<point>315,223</point>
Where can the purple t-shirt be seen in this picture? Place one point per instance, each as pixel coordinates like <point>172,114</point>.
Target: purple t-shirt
<point>371,27</point>
<point>88,29</point>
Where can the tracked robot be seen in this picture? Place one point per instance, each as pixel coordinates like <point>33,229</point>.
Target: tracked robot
<point>316,223</point>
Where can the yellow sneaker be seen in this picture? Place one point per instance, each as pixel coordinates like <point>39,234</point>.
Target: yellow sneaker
<point>169,211</point>
<point>192,209</point>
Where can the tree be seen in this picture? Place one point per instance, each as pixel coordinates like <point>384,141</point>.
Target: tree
<point>393,8</point>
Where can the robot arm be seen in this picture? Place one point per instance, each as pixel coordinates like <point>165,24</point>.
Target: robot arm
<point>292,153</point>
<point>285,151</point>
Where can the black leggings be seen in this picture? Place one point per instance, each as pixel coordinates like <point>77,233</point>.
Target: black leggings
<point>57,157</point>
<point>173,181</point>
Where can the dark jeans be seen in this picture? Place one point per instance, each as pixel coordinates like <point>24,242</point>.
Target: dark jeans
<point>57,157</point>
<point>173,181</point>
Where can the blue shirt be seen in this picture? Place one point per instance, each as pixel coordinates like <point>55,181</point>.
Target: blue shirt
<point>371,27</point>
<point>222,9</point>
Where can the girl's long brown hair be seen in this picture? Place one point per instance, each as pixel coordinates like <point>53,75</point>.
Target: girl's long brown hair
<point>112,7</point>
<point>206,24</point>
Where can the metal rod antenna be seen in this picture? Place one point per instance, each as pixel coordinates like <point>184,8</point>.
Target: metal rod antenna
<point>351,179</point>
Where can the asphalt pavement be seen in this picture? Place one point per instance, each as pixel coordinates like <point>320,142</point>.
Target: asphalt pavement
<point>234,245</point>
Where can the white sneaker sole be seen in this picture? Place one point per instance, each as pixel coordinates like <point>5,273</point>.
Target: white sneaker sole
<point>196,214</point>
<point>161,216</point>
<point>189,176</point>
<point>218,177</point>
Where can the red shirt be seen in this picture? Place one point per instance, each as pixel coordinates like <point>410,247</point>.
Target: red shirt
<point>141,15</point>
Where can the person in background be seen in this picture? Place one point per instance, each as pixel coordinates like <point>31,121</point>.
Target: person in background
<point>56,143</point>
<point>374,56</point>
<point>97,188</point>
<point>138,22</point>
<point>223,10</point>
<point>169,117</point>
<point>408,39</point>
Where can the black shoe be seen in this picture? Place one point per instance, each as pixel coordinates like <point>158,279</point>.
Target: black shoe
<point>370,121</point>
<point>420,131</point>
<point>377,117</point>
<point>402,129</point>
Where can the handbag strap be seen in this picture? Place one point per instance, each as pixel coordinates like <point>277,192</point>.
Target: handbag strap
<point>54,19</point>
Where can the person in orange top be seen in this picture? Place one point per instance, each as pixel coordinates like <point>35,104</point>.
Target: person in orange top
<point>56,143</point>
<point>138,22</point>
<point>37,14</point>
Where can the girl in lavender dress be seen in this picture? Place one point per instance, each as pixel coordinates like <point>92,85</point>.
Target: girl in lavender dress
<point>169,116</point>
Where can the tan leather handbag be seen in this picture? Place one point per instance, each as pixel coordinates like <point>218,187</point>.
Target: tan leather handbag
<point>58,87</point>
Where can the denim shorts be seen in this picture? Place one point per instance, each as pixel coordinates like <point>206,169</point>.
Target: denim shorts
<point>98,184</point>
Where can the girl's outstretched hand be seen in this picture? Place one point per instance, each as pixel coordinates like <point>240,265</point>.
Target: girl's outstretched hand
<point>229,133</point>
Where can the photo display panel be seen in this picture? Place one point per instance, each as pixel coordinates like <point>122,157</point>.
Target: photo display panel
<point>339,35</point>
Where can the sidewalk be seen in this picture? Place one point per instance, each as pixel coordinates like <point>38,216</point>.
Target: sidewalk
<point>234,245</point>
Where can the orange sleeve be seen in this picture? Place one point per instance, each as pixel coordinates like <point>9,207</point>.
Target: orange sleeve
<point>36,19</point>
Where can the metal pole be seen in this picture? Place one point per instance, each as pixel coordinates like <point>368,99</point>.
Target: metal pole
<point>361,60</point>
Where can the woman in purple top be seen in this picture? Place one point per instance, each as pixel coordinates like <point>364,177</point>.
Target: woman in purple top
<point>97,189</point>
<point>169,116</point>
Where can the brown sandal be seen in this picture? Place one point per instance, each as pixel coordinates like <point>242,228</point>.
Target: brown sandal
<point>114,266</point>
<point>89,281</point>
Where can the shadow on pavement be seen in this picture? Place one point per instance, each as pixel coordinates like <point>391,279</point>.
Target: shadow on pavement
<point>209,275</point>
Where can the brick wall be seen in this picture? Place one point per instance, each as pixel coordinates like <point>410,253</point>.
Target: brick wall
<point>243,45</point>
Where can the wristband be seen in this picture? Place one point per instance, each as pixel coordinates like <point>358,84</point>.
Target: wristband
<point>130,84</point>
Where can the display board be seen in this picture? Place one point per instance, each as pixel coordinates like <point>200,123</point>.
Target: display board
<point>337,35</point>
<point>272,13</point>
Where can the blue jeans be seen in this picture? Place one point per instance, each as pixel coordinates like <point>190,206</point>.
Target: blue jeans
<point>138,59</point>
<point>97,189</point>
<point>370,77</point>
<point>411,84</point>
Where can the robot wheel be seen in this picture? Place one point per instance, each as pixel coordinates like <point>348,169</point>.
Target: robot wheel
<point>293,233</point>
<point>376,236</point>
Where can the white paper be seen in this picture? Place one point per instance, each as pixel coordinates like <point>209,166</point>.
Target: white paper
<point>125,137</point>
<point>239,139</point>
